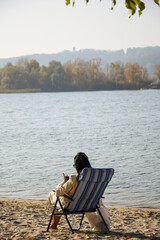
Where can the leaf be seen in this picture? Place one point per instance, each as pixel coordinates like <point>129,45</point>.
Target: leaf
<point>68,2</point>
<point>139,12</point>
<point>113,4</point>
<point>131,4</point>
<point>157,2</point>
<point>141,6</point>
<point>131,13</point>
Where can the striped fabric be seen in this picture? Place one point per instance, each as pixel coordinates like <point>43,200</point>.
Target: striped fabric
<point>91,186</point>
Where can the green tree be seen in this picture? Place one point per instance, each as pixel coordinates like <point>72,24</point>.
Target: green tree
<point>8,75</point>
<point>21,78</point>
<point>68,77</point>
<point>21,65</point>
<point>131,5</point>
<point>32,65</point>
<point>44,80</point>
<point>56,75</point>
<point>33,69</point>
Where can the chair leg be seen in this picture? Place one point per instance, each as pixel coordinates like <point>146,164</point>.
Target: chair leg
<point>81,221</point>
<point>52,216</point>
<point>103,220</point>
<point>68,223</point>
<point>65,214</point>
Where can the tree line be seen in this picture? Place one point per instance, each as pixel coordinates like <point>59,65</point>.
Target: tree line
<point>77,75</point>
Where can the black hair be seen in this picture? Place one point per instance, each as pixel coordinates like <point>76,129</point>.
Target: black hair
<point>81,161</point>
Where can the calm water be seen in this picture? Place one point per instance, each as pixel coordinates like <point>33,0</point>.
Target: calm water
<point>41,133</point>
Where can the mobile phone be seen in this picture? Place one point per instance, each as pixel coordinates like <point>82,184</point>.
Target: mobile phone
<point>67,178</point>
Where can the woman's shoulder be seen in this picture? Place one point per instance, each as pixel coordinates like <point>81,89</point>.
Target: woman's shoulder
<point>73,178</point>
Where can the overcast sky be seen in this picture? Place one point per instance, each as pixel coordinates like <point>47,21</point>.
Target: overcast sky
<point>49,26</point>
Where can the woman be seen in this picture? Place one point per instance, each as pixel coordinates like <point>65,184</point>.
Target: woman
<point>68,187</point>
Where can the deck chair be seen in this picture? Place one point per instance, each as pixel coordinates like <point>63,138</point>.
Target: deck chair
<point>91,186</point>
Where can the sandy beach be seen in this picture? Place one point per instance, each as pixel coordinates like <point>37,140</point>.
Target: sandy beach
<point>28,219</point>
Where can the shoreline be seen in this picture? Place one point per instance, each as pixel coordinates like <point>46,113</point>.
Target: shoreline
<point>118,206</point>
<point>28,219</point>
<point>37,90</point>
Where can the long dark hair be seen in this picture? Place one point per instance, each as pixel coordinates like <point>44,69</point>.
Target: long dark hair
<point>81,161</point>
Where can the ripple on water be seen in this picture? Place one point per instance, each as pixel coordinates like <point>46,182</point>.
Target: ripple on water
<point>41,133</point>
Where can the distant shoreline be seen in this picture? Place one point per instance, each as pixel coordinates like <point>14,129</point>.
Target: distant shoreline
<point>39,90</point>
<point>20,90</point>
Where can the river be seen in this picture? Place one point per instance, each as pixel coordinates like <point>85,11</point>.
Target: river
<point>40,133</point>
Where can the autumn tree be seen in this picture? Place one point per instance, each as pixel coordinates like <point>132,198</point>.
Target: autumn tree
<point>22,62</point>
<point>157,71</point>
<point>96,76</point>
<point>136,76</point>
<point>116,74</point>
<point>79,73</point>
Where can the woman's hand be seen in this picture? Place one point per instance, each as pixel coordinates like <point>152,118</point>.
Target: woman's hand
<point>64,178</point>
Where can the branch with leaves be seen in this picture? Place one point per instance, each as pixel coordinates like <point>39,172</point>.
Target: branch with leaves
<point>131,5</point>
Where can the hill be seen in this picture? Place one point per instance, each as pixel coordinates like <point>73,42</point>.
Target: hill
<point>146,57</point>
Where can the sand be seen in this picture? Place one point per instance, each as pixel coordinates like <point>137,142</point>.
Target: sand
<point>28,219</point>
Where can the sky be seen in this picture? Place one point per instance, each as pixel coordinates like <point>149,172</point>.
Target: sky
<point>49,26</point>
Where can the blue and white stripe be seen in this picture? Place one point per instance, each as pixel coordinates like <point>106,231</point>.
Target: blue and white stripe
<point>91,186</point>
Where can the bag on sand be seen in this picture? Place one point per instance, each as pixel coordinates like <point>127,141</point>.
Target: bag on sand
<point>95,220</point>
